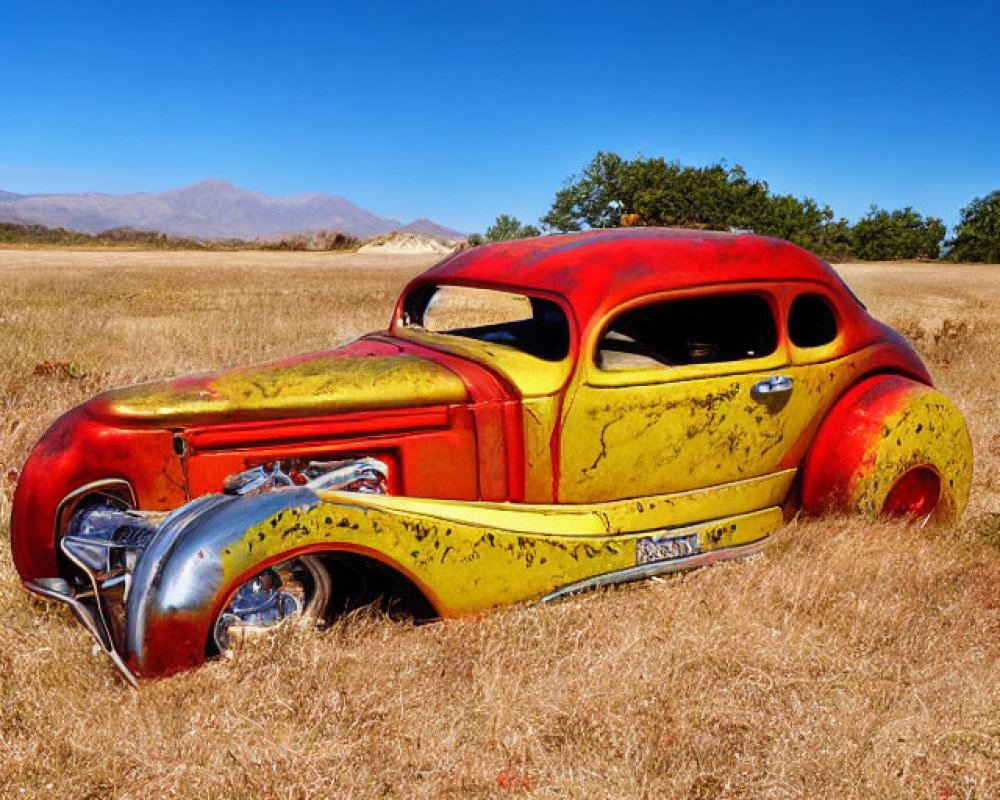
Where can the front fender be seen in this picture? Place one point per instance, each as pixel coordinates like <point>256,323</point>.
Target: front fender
<point>464,557</point>
<point>76,451</point>
<point>179,586</point>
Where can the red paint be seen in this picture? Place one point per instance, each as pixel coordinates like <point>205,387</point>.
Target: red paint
<point>473,450</point>
<point>78,450</point>
<point>596,271</point>
<point>839,449</point>
<point>432,451</point>
<point>208,438</point>
<point>915,495</point>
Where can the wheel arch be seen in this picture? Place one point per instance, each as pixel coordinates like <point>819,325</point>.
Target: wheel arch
<point>181,583</point>
<point>874,434</point>
<point>334,554</point>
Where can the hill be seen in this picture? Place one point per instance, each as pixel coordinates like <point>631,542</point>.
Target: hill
<point>209,209</point>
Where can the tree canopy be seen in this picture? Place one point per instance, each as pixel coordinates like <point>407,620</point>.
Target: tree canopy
<point>977,235</point>
<point>664,192</point>
<point>886,235</point>
<point>654,191</point>
<point>505,228</point>
<point>610,191</point>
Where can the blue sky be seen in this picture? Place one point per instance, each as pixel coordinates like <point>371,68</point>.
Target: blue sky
<point>461,111</point>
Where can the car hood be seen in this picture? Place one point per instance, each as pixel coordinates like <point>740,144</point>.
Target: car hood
<point>362,376</point>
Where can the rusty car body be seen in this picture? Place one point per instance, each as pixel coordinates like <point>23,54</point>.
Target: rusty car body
<point>665,399</point>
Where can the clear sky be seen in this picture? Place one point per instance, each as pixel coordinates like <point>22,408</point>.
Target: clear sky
<point>461,111</point>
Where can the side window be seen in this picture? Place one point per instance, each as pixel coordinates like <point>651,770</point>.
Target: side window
<point>811,321</point>
<point>690,330</point>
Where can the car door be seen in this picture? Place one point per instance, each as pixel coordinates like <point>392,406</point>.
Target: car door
<point>684,391</point>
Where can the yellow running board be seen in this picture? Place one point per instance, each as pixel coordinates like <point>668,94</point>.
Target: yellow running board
<point>594,519</point>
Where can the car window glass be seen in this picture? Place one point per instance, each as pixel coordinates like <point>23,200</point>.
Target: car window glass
<point>690,330</point>
<point>530,324</point>
<point>811,321</point>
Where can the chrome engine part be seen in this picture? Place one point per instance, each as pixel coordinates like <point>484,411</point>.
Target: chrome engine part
<point>105,540</point>
<point>299,587</point>
<point>366,475</point>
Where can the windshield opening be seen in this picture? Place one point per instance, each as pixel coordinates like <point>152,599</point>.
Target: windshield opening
<point>532,325</point>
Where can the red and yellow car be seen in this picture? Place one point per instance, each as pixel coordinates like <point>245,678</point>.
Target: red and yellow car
<point>541,416</point>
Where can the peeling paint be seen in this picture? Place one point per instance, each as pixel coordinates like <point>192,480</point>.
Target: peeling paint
<point>880,430</point>
<point>604,461</point>
<point>541,420</point>
<point>676,435</point>
<point>927,431</point>
<point>466,567</point>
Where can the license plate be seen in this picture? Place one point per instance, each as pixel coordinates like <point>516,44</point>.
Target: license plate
<point>665,548</point>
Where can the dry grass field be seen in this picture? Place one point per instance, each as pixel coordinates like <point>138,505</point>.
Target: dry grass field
<point>851,660</point>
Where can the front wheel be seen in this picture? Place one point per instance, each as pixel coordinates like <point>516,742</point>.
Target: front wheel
<point>294,590</point>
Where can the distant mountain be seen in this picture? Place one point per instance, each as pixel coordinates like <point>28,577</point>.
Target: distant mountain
<point>208,209</point>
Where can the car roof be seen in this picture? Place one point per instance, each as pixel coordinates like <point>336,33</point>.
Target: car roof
<point>601,269</point>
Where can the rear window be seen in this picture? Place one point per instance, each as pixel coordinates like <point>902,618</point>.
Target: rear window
<point>690,330</point>
<point>811,321</point>
<point>533,325</point>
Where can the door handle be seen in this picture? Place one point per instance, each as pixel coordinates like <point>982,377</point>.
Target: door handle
<point>773,392</point>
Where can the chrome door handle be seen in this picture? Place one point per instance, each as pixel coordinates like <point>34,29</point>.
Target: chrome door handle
<point>773,389</point>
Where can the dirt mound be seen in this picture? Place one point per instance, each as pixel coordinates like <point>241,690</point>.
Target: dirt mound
<point>397,242</point>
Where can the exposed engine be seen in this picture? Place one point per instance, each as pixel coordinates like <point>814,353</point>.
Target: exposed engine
<point>366,475</point>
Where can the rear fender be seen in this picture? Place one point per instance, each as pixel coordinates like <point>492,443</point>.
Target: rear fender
<point>883,428</point>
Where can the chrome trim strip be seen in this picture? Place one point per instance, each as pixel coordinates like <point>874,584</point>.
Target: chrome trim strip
<point>86,617</point>
<point>68,504</point>
<point>641,571</point>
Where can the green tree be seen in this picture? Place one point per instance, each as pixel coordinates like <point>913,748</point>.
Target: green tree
<point>977,235</point>
<point>505,228</point>
<point>596,197</point>
<point>903,233</point>
<point>662,192</point>
<point>833,240</point>
<point>715,197</point>
<point>799,221</point>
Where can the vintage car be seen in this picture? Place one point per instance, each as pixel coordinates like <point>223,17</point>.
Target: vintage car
<point>541,416</point>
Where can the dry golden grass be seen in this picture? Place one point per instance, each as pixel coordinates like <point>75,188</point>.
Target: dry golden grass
<point>851,660</point>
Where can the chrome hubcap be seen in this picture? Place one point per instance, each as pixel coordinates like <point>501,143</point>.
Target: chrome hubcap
<point>297,589</point>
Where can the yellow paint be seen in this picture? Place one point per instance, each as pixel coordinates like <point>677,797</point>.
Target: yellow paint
<point>531,376</point>
<point>927,431</point>
<point>817,388</point>
<point>465,566</point>
<point>682,428</point>
<point>823,353</point>
<point>314,385</point>
<point>538,382</point>
<point>540,418</point>
<point>598,519</point>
